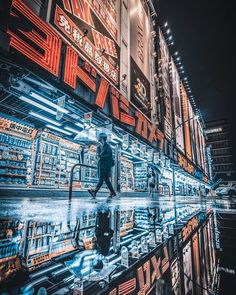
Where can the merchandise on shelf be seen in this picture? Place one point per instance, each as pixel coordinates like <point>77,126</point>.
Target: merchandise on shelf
<point>16,153</point>
<point>11,239</point>
<point>70,154</point>
<point>126,221</point>
<point>47,160</point>
<point>127,174</point>
<point>90,175</point>
<point>45,240</point>
<point>140,176</point>
<point>54,161</point>
<point>87,229</point>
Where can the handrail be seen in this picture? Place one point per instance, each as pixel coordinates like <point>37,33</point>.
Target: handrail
<point>72,176</point>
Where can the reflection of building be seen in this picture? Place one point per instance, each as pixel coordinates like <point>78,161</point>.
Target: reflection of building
<point>218,137</point>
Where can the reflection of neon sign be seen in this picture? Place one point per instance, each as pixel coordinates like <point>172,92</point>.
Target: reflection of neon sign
<point>189,228</point>
<point>48,56</point>
<point>146,275</point>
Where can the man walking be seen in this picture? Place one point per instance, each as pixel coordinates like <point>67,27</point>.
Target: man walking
<point>105,163</point>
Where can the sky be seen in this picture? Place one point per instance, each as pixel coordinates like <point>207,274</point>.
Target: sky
<point>204,32</point>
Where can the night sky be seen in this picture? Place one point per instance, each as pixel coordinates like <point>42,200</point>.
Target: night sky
<point>204,33</point>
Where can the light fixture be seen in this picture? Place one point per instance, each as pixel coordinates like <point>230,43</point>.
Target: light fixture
<point>166,24</point>
<point>178,58</point>
<point>176,53</point>
<point>168,31</point>
<point>170,38</point>
<point>46,101</point>
<point>72,129</point>
<point>44,118</point>
<point>34,103</point>
<point>58,129</point>
<point>79,124</point>
<point>181,68</point>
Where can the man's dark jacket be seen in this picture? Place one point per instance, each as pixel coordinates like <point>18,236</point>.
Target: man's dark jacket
<point>105,160</point>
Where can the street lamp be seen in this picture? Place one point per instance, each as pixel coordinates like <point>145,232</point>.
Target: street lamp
<point>172,148</point>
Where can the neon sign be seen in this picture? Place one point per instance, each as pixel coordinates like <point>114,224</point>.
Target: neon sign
<point>146,275</point>
<point>44,48</point>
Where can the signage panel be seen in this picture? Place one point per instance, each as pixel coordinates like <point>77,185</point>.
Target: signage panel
<point>178,116</point>
<point>78,22</point>
<point>140,55</point>
<point>165,79</point>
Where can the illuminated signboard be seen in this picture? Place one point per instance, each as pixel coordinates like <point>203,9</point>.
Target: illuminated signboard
<point>196,130</point>
<point>214,130</point>
<point>17,129</point>
<point>165,59</point>
<point>178,116</point>
<point>43,45</point>
<point>71,18</point>
<point>140,52</point>
<point>192,133</point>
<point>186,118</point>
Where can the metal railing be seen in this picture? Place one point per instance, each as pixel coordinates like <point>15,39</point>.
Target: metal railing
<point>72,176</point>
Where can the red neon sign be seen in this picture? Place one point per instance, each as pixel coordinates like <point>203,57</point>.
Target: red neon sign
<point>146,275</point>
<point>47,40</point>
<point>51,44</point>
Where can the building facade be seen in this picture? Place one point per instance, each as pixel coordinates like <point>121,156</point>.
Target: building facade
<point>219,139</point>
<point>71,69</point>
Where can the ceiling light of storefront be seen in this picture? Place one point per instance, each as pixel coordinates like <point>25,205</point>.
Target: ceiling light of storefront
<point>41,117</point>
<point>34,103</point>
<point>48,102</point>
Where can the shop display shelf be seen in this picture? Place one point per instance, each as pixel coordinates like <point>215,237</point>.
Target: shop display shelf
<point>14,167</point>
<point>14,145</point>
<point>13,175</point>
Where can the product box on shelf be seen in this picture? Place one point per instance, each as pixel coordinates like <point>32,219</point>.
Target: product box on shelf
<point>16,153</point>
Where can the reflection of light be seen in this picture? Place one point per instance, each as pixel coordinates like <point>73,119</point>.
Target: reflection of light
<point>34,103</point>
<point>46,101</point>
<point>44,118</point>
<point>58,129</point>
<point>79,124</point>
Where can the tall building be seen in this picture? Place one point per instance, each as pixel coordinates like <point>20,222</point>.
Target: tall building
<point>219,138</point>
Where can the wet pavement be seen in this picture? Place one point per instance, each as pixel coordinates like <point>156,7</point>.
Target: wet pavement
<point>51,245</point>
<point>60,208</point>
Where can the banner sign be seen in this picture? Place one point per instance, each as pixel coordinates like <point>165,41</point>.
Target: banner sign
<point>81,25</point>
<point>186,118</point>
<point>16,129</point>
<point>140,53</point>
<point>165,80</point>
<point>192,133</point>
<point>178,116</point>
<point>88,118</point>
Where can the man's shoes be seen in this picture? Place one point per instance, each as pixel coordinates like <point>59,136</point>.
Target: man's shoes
<point>112,195</point>
<point>92,193</point>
